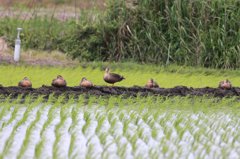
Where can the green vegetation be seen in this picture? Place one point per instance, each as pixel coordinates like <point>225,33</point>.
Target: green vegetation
<point>40,33</point>
<point>201,32</point>
<point>114,126</point>
<point>135,75</point>
<point>171,35</point>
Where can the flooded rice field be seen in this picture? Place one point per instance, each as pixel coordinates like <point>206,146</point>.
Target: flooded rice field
<point>78,130</point>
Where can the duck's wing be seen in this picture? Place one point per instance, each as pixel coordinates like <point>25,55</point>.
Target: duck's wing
<point>53,82</point>
<point>147,85</point>
<point>220,84</point>
<point>65,82</point>
<point>156,84</point>
<point>20,83</point>
<point>90,83</point>
<point>116,76</point>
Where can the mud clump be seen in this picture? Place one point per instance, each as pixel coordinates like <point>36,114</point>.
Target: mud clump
<point>123,91</point>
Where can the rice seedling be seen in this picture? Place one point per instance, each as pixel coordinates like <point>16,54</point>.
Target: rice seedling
<point>61,131</point>
<point>56,152</point>
<point>6,106</point>
<point>29,131</point>
<point>39,148</point>
<point>20,126</point>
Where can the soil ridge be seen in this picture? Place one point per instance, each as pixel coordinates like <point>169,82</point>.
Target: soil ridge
<point>134,91</point>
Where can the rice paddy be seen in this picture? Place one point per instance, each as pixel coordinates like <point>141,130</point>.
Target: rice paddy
<point>116,126</point>
<point>151,127</point>
<point>200,33</point>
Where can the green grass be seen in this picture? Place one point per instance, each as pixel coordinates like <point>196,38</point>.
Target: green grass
<point>135,75</point>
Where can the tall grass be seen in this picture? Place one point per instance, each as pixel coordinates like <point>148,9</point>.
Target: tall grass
<point>50,31</point>
<point>203,33</point>
<point>200,32</point>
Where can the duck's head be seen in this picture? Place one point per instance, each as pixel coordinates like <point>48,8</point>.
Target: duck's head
<point>25,78</point>
<point>227,81</point>
<point>59,76</point>
<point>150,81</point>
<point>83,79</point>
<point>107,70</point>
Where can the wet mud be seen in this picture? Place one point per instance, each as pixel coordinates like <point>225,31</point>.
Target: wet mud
<point>117,91</point>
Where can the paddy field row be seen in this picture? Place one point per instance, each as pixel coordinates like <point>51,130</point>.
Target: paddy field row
<point>120,128</point>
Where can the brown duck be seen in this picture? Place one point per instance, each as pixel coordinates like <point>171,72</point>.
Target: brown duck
<point>226,84</point>
<point>85,83</point>
<point>112,77</point>
<point>25,83</point>
<point>151,84</point>
<point>59,82</point>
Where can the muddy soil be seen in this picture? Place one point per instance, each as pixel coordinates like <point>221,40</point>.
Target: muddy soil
<point>124,91</point>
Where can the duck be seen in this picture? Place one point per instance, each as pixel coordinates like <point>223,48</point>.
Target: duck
<point>59,82</point>
<point>86,83</point>
<point>25,83</point>
<point>112,77</point>
<point>151,84</point>
<point>225,84</point>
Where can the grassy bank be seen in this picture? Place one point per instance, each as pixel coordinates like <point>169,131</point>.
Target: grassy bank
<point>135,75</point>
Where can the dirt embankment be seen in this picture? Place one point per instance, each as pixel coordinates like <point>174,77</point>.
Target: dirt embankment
<point>124,91</point>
